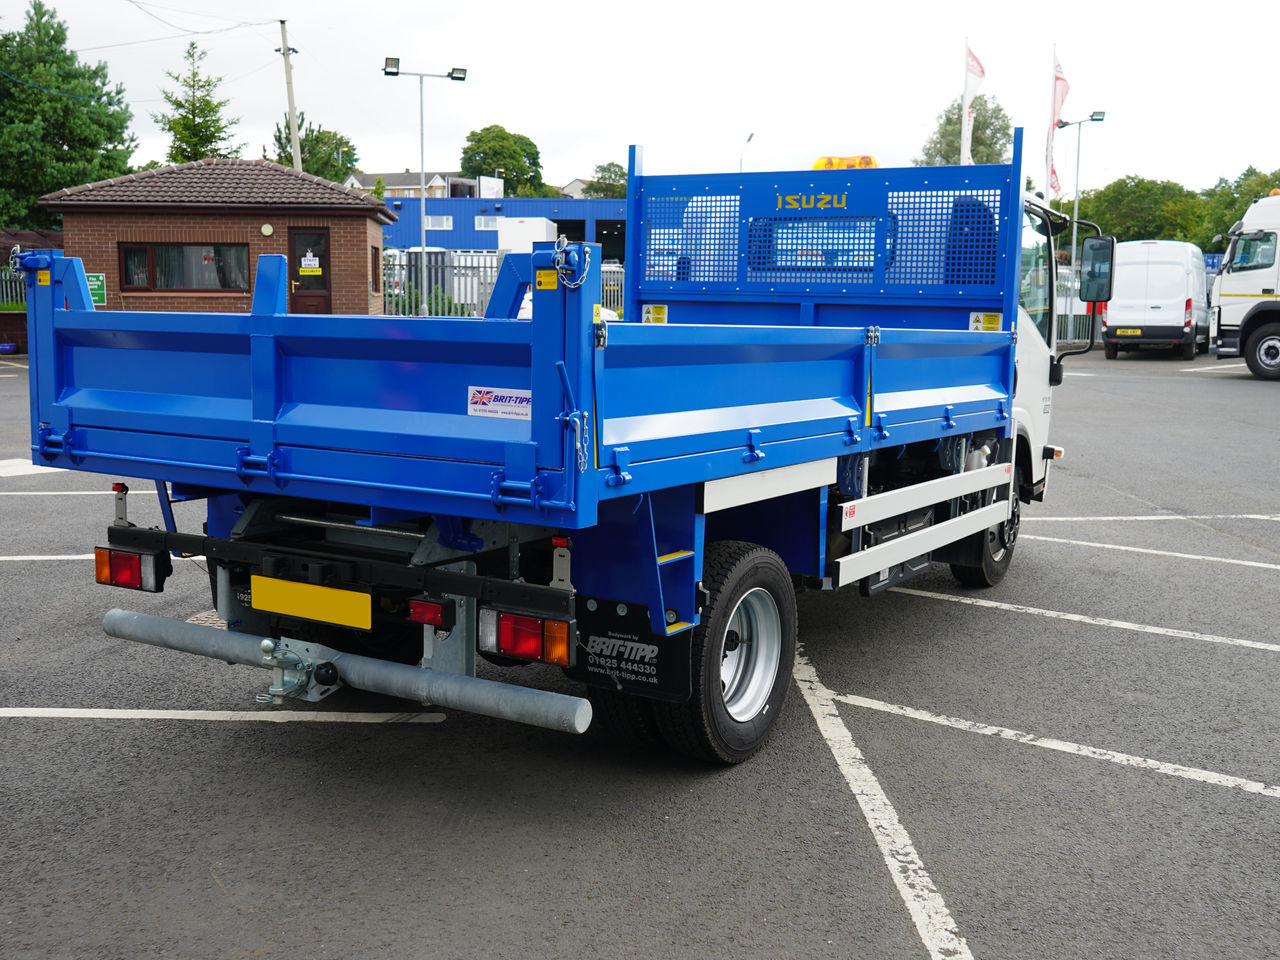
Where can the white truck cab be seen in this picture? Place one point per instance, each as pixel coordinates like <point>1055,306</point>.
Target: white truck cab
<point>1245,313</point>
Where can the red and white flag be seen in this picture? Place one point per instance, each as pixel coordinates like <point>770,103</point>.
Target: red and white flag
<point>973,75</point>
<point>1060,88</point>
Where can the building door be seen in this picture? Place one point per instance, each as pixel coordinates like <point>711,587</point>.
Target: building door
<point>309,287</point>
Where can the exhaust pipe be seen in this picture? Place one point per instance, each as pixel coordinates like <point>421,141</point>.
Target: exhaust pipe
<point>504,701</point>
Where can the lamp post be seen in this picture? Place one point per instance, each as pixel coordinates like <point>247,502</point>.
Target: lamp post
<point>744,150</point>
<point>391,68</point>
<point>1096,117</point>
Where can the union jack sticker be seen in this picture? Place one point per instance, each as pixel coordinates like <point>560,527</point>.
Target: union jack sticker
<point>499,402</point>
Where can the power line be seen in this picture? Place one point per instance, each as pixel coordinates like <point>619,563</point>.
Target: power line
<point>56,93</point>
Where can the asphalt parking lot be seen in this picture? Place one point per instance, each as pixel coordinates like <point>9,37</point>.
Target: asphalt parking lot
<point>1081,762</point>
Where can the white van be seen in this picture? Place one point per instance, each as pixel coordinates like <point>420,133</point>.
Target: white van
<point>1158,299</point>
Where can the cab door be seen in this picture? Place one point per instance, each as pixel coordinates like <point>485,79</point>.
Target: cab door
<point>1033,397</point>
<point>1250,274</point>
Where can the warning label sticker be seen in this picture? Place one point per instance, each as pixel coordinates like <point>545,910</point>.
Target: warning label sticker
<point>654,313</point>
<point>498,402</point>
<point>985,322</point>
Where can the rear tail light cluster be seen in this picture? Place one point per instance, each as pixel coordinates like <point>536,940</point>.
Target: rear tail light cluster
<point>1186,317</point>
<point>524,637</point>
<point>131,569</point>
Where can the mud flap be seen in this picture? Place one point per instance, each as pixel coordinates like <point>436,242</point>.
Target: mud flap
<point>618,651</point>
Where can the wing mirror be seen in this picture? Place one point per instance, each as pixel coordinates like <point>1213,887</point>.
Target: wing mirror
<point>1096,257</point>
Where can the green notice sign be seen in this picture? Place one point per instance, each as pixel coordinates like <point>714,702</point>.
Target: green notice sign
<point>97,288</point>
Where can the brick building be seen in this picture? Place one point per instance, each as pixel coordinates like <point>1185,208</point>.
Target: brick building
<point>188,237</point>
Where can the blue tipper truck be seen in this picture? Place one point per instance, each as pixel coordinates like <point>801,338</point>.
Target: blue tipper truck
<point>821,379</point>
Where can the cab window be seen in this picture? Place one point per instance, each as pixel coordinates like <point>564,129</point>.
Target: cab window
<point>1250,254</point>
<point>1036,275</point>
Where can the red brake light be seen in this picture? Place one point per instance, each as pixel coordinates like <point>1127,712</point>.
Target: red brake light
<point>426,611</point>
<point>126,570</point>
<point>1186,322</point>
<point>520,636</point>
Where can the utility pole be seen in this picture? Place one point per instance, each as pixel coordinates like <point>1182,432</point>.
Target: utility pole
<point>285,50</point>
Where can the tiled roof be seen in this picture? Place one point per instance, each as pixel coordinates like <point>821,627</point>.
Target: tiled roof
<point>410,178</point>
<point>219,183</point>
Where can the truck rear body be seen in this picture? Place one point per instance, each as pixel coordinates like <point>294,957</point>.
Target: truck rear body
<point>808,361</point>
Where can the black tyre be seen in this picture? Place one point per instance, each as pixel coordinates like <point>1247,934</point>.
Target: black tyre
<point>1109,350</point>
<point>1189,349</point>
<point>625,719</point>
<point>995,548</point>
<point>1263,352</point>
<point>742,656</point>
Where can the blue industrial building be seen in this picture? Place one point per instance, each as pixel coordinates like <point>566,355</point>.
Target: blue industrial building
<point>470,223</point>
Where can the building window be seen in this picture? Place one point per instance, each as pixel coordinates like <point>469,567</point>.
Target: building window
<point>375,268</point>
<point>439,223</point>
<point>486,223</point>
<point>184,266</point>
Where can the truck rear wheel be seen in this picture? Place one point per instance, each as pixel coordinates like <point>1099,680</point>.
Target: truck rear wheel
<point>1109,350</point>
<point>995,546</point>
<point>1263,352</point>
<point>742,656</point>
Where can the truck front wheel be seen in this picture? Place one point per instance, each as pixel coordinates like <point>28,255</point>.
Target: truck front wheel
<point>1263,352</point>
<point>742,656</point>
<point>995,548</point>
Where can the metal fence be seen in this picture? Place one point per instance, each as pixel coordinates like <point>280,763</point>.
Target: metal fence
<point>613,281</point>
<point>13,287</point>
<point>1073,320</point>
<point>459,283</point>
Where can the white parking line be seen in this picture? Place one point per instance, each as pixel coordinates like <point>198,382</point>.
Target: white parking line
<point>22,468</point>
<point>1216,368</point>
<point>1159,516</point>
<point>1096,753</point>
<point>255,716</point>
<point>933,920</point>
<point>69,556</point>
<point>10,363</point>
<point>1092,621</point>
<point>1158,553</point>
<point>57,493</point>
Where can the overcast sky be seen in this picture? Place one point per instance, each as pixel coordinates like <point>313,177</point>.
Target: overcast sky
<point>1188,92</point>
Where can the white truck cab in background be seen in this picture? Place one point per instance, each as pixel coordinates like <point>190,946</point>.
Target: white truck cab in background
<point>1245,309</point>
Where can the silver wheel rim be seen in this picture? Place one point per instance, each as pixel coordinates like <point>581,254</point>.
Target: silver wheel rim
<point>1268,353</point>
<point>751,654</point>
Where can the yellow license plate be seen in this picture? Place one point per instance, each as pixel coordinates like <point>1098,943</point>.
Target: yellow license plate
<point>1129,332</point>
<point>345,608</point>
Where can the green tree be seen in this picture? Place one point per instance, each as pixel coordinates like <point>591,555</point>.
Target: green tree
<point>325,153</point>
<point>196,124</point>
<point>992,135</point>
<point>1226,201</point>
<point>610,182</point>
<point>1133,208</point>
<point>63,124</point>
<point>493,149</point>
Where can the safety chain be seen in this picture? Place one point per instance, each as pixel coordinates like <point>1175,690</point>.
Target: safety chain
<point>561,242</point>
